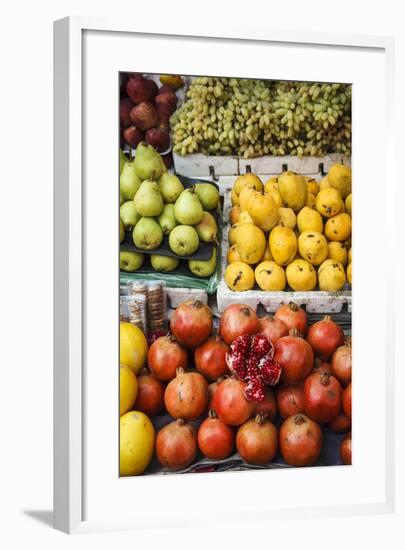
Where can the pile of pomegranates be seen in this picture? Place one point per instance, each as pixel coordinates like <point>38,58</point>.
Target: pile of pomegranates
<point>266,388</point>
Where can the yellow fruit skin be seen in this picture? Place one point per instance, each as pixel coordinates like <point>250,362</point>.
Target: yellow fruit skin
<point>313,247</point>
<point>324,183</point>
<point>301,275</point>
<point>137,437</point>
<point>128,388</point>
<point>251,243</point>
<point>293,189</point>
<point>173,80</point>
<point>247,180</point>
<point>287,217</point>
<point>233,232</point>
<point>244,197</point>
<point>276,196</point>
<point>349,273</point>
<point>133,347</point>
<point>348,204</point>
<point>312,186</point>
<point>234,198</point>
<point>263,210</point>
<point>331,276</point>
<point>271,184</point>
<point>270,276</point>
<point>233,254</point>
<point>309,220</point>
<point>337,251</point>
<point>311,201</point>
<point>239,276</point>
<point>234,214</point>
<point>349,256</point>
<point>329,202</point>
<point>340,178</point>
<point>339,227</point>
<point>245,217</point>
<point>283,244</point>
<point>267,254</point>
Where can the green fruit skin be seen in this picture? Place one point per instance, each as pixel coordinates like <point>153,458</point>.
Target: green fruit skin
<point>183,240</point>
<point>207,229</point>
<point>208,195</point>
<point>164,264</point>
<point>170,187</point>
<point>123,160</point>
<point>188,208</point>
<point>128,214</point>
<point>122,231</point>
<point>129,182</point>
<point>147,234</point>
<point>130,261</point>
<point>204,268</point>
<point>166,220</point>
<point>148,200</point>
<point>148,163</point>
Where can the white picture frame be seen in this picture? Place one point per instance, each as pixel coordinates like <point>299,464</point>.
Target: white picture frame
<point>87,49</point>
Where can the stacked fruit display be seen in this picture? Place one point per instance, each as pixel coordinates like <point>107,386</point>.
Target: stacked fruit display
<point>294,230</point>
<point>217,389</point>
<point>155,205</point>
<point>145,109</point>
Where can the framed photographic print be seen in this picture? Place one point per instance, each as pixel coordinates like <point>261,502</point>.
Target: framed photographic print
<point>206,321</point>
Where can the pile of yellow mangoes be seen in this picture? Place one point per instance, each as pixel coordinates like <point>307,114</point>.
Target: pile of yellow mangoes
<point>293,230</point>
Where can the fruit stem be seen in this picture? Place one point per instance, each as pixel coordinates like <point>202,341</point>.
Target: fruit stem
<point>295,332</point>
<point>179,371</point>
<point>299,419</point>
<point>293,306</point>
<point>212,414</point>
<point>261,418</point>
<point>325,379</point>
<point>180,422</point>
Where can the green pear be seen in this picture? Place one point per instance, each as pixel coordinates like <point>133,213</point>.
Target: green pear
<point>208,195</point>
<point>147,234</point>
<point>128,214</point>
<point>148,162</point>
<point>170,187</point>
<point>130,261</point>
<point>123,160</point>
<point>166,220</point>
<point>122,231</point>
<point>163,263</point>
<point>148,200</point>
<point>207,229</point>
<point>204,268</point>
<point>183,240</point>
<point>188,209</point>
<point>129,181</point>
<point>121,200</point>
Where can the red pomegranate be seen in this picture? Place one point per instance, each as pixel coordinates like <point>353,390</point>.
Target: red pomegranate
<point>256,440</point>
<point>347,401</point>
<point>191,323</point>
<point>126,106</point>
<point>215,439</point>
<point>300,440</point>
<point>144,116</point>
<point>149,398</point>
<point>290,399</point>
<point>341,365</point>
<point>325,337</point>
<point>292,316</point>
<point>237,320</point>
<point>321,366</point>
<point>230,403</point>
<point>165,356</point>
<point>140,89</point>
<point>211,390</point>
<point>322,397</point>
<point>346,449</point>
<point>268,406</point>
<point>272,328</point>
<point>186,396</point>
<point>210,358</point>
<point>340,424</point>
<point>176,445</point>
<point>295,356</point>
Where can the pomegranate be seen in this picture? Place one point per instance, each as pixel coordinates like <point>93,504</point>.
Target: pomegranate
<point>292,316</point>
<point>272,328</point>
<point>149,398</point>
<point>191,323</point>
<point>268,406</point>
<point>186,396</point>
<point>347,401</point>
<point>215,439</point>
<point>210,358</point>
<point>236,320</point>
<point>325,337</point>
<point>321,366</point>
<point>300,440</point>
<point>125,108</point>
<point>211,390</point>
<point>295,356</point>
<point>144,116</point>
<point>290,399</point>
<point>341,365</point>
<point>256,440</point>
<point>176,445</point>
<point>158,138</point>
<point>229,402</point>
<point>141,89</point>
<point>340,424</point>
<point>322,397</point>
<point>132,135</point>
<point>346,449</point>
<point>165,356</point>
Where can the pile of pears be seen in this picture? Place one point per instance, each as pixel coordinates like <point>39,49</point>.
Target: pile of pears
<point>291,230</point>
<point>155,204</point>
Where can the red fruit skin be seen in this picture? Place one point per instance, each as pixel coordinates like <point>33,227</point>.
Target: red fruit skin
<point>300,440</point>
<point>341,365</point>
<point>230,404</point>
<point>325,337</point>
<point>340,424</point>
<point>215,439</point>
<point>290,399</point>
<point>149,398</point>
<point>256,442</point>
<point>144,116</point>
<point>296,358</point>
<point>346,450</point>
<point>158,138</point>
<point>268,406</point>
<point>152,87</point>
<point>293,316</point>
<point>191,323</point>
<point>236,320</point>
<point>166,101</point>
<point>210,358</point>
<point>273,328</point>
<point>139,89</point>
<point>321,366</point>
<point>132,135</point>
<point>126,106</point>
<point>211,390</point>
<point>322,397</point>
<point>176,445</point>
<point>168,160</point>
<point>186,396</point>
<point>347,401</point>
<point>165,356</point>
